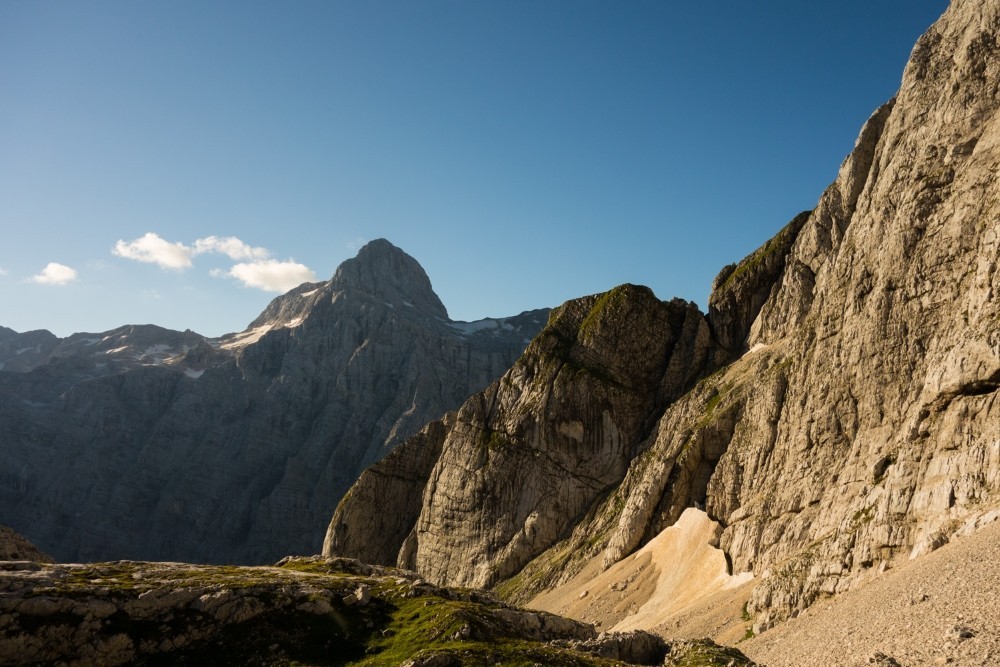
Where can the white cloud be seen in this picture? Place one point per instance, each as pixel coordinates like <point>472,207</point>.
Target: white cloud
<point>152,249</point>
<point>271,275</point>
<point>230,246</point>
<point>55,274</point>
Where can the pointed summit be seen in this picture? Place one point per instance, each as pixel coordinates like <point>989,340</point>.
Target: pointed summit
<point>386,272</point>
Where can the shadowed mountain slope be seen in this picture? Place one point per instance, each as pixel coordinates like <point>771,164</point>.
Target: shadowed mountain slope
<point>148,443</point>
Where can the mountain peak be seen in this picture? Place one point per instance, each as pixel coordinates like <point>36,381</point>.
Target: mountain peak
<point>384,271</point>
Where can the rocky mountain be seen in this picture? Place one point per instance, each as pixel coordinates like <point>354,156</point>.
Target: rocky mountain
<point>836,411</point>
<point>148,443</point>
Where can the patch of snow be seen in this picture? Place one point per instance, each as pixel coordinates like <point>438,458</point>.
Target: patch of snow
<point>291,324</point>
<point>758,347</point>
<point>466,328</point>
<point>407,303</point>
<point>117,349</point>
<point>388,304</point>
<point>247,337</point>
<point>309,293</point>
<point>193,374</point>
<point>156,349</point>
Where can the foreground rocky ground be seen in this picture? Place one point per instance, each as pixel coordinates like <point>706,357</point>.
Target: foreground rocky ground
<point>305,611</point>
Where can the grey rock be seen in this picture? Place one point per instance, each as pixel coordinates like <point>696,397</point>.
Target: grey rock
<point>635,647</point>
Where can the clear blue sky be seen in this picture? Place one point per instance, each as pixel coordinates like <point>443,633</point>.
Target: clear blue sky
<point>524,152</point>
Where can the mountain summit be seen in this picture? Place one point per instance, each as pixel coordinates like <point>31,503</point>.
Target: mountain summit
<point>386,272</point>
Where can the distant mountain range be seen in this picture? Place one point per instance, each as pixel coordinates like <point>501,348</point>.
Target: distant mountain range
<point>147,443</point>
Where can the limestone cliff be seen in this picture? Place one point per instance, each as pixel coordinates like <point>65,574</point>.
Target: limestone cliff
<point>148,443</point>
<point>522,462</point>
<point>852,417</point>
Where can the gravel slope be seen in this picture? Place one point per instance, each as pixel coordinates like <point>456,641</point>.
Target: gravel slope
<point>941,609</point>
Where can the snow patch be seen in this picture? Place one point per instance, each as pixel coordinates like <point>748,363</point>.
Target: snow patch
<point>466,328</point>
<point>193,374</point>
<point>156,350</point>
<point>247,337</point>
<point>26,349</point>
<point>758,347</point>
<point>117,350</point>
<point>407,303</point>
<point>291,324</point>
<point>309,293</point>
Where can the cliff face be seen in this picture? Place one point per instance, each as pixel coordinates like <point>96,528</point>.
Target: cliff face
<point>860,422</point>
<point>521,463</point>
<point>147,443</point>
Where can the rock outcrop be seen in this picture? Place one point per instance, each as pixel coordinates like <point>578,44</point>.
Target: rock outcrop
<point>302,611</point>
<point>148,443</point>
<point>16,547</point>
<point>852,418</point>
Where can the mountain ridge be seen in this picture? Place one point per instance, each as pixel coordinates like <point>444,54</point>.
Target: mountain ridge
<point>236,448</point>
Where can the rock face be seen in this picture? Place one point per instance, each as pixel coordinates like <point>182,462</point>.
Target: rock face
<point>148,443</point>
<point>853,415</point>
<point>521,463</point>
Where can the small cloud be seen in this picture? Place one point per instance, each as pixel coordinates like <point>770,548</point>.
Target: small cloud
<point>55,274</point>
<point>356,244</point>
<point>230,246</point>
<point>270,275</point>
<point>152,249</point>
<point>3,271</point>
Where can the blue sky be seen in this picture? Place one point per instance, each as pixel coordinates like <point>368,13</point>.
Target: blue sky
<point>169,162</point>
